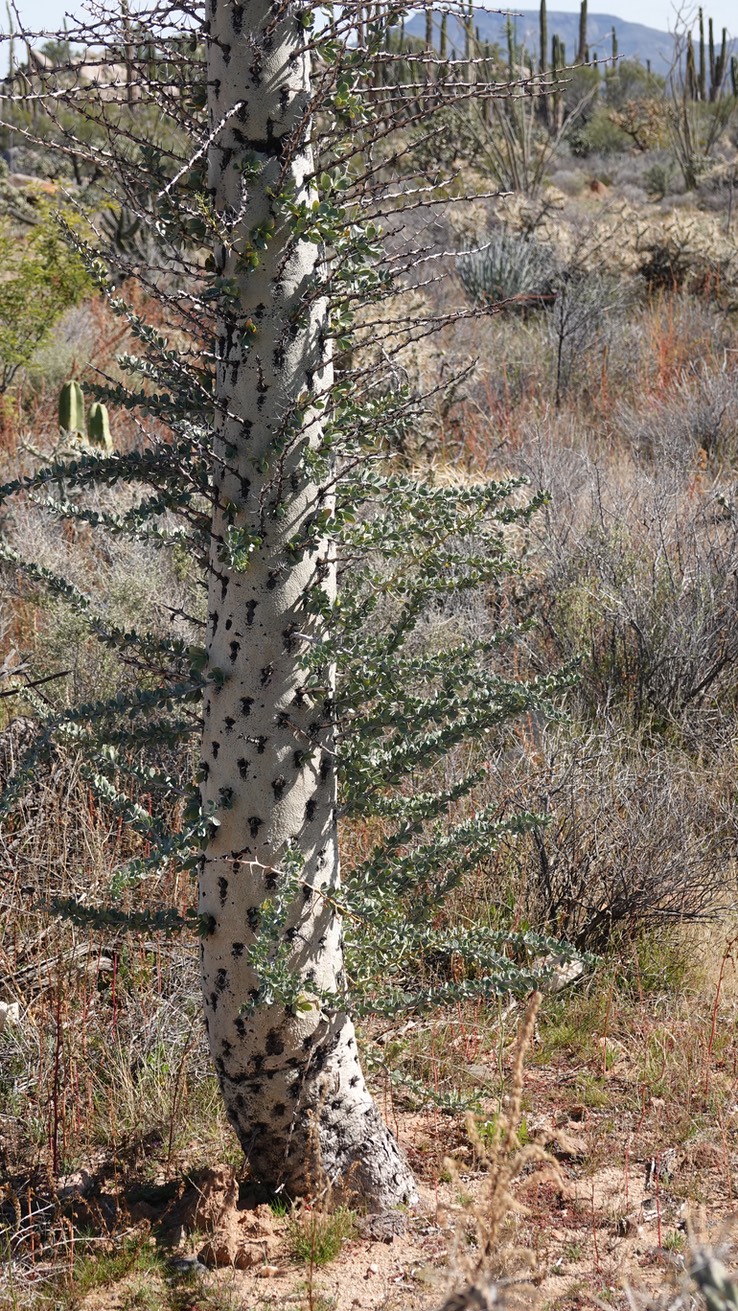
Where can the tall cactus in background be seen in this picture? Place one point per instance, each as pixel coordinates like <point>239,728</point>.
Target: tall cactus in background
<point>711,56</point>
<point>128,54</point>
<point>692,82</point>
<point>718,63</point>
<point>510,49</point>
<point>429,52</point>
<point>558,62</point>
<point>543,62</point>
<point>734,74</point>
<point>702,75</point>
<point>583,52</point>
<point>511,104</point>
<point>11,44</point>
<point>469,41</point>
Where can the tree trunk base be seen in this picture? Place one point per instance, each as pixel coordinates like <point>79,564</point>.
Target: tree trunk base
<point>307,1123</point>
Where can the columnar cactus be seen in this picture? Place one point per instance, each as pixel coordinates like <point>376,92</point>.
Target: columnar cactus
<point>98,426</point>
<point>72,409</point>
<point>718,62</point>
<point>582,52</point>
<point>95,429</point>
<point>702,74</point>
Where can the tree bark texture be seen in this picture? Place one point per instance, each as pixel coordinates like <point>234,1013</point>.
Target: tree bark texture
<point>290,1076</point>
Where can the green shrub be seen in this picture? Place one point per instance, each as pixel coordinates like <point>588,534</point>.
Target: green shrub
<point>42,277</point>
<point>317,1237</point>
<point>631,81</point>
<point>660,178</point>
<point>598,135</point>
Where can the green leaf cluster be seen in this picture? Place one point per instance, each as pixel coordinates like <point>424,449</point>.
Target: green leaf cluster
<point>41,278</point>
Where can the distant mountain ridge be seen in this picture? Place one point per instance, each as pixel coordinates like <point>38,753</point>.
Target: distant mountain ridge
<point>635,40</point>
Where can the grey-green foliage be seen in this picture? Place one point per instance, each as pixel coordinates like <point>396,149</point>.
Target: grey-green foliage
<point>510,270</point>
<point>420,690</point>
<point>417,717</point>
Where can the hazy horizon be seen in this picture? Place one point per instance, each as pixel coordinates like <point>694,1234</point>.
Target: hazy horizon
<point>663,15</point>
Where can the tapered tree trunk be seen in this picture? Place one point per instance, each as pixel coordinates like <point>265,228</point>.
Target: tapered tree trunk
<point>290,1074</point>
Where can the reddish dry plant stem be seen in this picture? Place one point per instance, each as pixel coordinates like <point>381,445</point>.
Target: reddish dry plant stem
<point>594,1233</point>
<point>31,1227</point>
<point>726,1156</point>
<point>727,955</point>
<point>605,1028</point>
<point>114,993</point>
<point>55,1086</point>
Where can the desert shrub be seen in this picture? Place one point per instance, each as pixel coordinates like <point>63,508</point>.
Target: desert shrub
<point>716,188</point>
<point>659,178</point>
<point>568,180</point>
<point>75,337</point>
<point>580,91</point>
<point>42,277</point>
<point>695,130</point>
<point>598,135</point>
<point>698,414</point>
<point>511,270</point>
<point>631,81</point>
<point>644,589</point>
<point>634,838</point>
<point>502,140</point>
<point>688,252</point>
<point>642,121</point>
<point>583,311</point>
<point>124,584</point>
<point>109,1049</point>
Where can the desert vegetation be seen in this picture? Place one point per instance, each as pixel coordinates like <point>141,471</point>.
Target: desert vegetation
<point>583,340</point>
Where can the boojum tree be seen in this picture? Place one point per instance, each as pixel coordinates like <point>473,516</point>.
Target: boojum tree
<point>288,1067</point>
<point>266,452</point>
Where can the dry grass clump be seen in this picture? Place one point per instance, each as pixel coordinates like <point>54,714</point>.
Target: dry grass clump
<point>643,588</point>
<point>699,414</point>
<point>629,836</point>
<point>107,1058</point>
<point>484,1251</point>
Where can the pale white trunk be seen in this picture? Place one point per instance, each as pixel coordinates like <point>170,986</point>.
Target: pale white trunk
<point>292,1083</point>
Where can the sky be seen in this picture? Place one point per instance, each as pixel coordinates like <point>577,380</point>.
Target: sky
<point>661,14</point>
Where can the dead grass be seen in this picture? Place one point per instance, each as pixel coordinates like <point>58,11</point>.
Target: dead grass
<point>637,1066</point>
